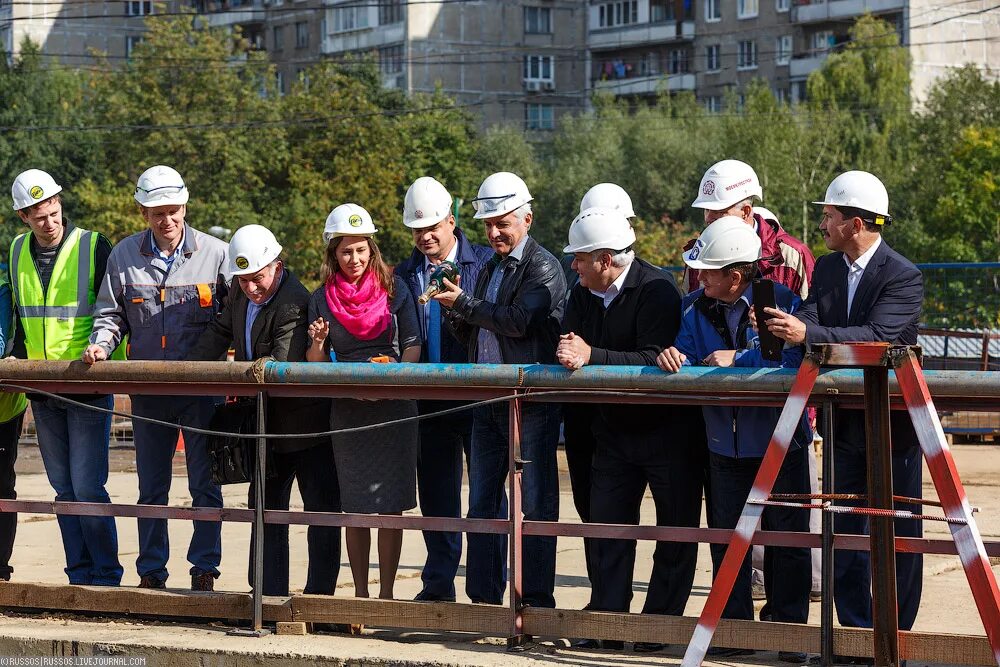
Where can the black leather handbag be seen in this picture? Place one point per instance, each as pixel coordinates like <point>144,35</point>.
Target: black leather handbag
<point>233,459</point>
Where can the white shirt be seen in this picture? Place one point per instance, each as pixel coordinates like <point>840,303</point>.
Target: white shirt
<point>424,276</point>
<point>614,289</point>
<point>857,269</point>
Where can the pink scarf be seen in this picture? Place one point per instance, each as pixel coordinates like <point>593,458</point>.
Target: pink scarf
<point>362,309</point>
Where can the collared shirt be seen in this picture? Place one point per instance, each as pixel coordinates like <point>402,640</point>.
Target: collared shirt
<point>488,345</point>
<point>253,310</point>
<point>614,289</point>
<point>423,277</point>
<point>734,315</point>
<point>168,259</point>
<point>857,269</point>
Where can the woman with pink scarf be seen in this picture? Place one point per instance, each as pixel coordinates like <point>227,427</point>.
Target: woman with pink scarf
<point>363,313</point>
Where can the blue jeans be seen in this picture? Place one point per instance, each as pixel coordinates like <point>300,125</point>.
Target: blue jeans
<point>73,442</point>
<point>486,571</point>
<point>439,484</point>
<point>154,454</point>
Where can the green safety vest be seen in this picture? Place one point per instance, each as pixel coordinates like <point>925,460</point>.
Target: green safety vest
<point>56,322</point>
<point>11,405</point>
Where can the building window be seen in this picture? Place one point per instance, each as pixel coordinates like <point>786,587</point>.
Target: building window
<point>539,68</point>
<point>713,104</point>
<point>678,63</point>
<point>823,40</point>
<point>278,35</point>
<point>781,95</point>
<point>614,14</point>
<point>539,117</point>
<point>747,56</point>
<point>781,5</point>
<point>783,50</point>
<point>390,11</point>
<point>279,82</point>
<point>350,17</point>
<point>390,59</point>
<point>798,91</point>
<point>138,8</point>
<point>131,41</point>
<point>713,10</point>
<point>661,10</point>
<point>712,58</point>
<point>301,35</point>
<point>746,9</point>
<point>537,20</point>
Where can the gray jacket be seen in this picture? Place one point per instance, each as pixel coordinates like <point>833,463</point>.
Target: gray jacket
<point>163,312</point>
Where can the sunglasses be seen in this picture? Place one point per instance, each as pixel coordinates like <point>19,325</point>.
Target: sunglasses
<point>490,204</point>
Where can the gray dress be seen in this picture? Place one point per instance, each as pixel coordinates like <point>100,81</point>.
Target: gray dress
<point>377,469</point>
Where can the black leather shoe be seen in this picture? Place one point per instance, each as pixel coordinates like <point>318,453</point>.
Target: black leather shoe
<point>589,644</point>
<point>648,647</point>
<point>149,581</point>
<point>596,644</point>
<point>793,657</point>
<point>726,652</point>
<point>203,582</point>
<point>424,596</point>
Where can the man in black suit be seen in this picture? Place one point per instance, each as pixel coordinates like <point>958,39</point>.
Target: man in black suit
<point>266,317</point>
<point>864,291</point>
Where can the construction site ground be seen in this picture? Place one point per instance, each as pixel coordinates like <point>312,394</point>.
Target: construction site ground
<point>947,605</point>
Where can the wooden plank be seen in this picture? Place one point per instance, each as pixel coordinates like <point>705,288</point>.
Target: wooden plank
<point>443,616</point>
<point>290,628</point>
<point>920,646</point>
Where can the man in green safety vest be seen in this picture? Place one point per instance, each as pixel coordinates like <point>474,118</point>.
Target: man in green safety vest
<point>12,407</point>
<point>55,272</point>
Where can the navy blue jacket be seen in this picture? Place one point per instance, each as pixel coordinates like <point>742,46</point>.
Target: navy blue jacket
<point>470,258</point>
<point>886,308</point>
<point>732,431</point>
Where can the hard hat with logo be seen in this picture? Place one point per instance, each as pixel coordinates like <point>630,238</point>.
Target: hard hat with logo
<point>500,194</point>
<point>251,249</point>
<point>727,183</point>
<point>427,203</point>
<point>726,241</point>
<point>859,189</point>
<point>31,187</point>
<point>161,186</point>
<point>348,220</point>
<point>765,213</point>
<point>600,229</point>
<point>608,195</point>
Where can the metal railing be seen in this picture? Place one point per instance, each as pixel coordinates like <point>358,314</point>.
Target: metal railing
<point>843,388</point>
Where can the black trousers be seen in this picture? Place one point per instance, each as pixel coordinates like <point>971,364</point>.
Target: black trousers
<point>787,570</point>
<point>10,434</point>
<point>578,432</point>
<point>624,464</point>
<point>316,474</point>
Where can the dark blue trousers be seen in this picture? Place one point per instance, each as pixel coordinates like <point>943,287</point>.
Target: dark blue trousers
<point>443,440</point>
<point>787,571</point>
<point>852,569</point>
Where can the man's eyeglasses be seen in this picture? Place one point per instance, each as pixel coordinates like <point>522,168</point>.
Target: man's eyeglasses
<point>489,204</point>
<point>175,188</point>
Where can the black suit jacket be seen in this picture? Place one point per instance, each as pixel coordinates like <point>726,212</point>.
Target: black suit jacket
<point>280,331</point>
<point>886,308</point>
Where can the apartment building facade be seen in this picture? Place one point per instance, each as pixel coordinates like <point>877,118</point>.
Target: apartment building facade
<point>517,62</point>
<point>640,48</point>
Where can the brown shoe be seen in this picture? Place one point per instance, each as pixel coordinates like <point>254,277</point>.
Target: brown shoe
<point>203,582</point>
<point>149,581</point>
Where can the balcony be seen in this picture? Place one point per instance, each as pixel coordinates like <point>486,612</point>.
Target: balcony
<point>805,11</point>
<point>647,85</point>
<point>363,38</point>
<point>637,35</point>
<point>802,66</point>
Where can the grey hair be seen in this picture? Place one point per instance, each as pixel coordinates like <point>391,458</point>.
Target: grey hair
<point>619,259</point>
<point>522,211</point>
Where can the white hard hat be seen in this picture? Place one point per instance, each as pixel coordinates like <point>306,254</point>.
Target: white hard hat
<point>427,203</point>
<point>31,187</point>
<point>348,220</point>
<point>765,213</point>
<point>500,194</point>
<point>726,241</point>
<point>859,189</point>
<point>251,249</point>
<point>161,186</point>
<point>608,195</point>
<point>600,229</point>
<point>726,183</point>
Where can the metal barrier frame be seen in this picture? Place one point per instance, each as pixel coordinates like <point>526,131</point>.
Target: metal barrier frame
<point>694,386</point>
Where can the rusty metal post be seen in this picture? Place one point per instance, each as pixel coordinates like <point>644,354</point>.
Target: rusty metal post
<point>883,552</point>
<point>826,605</point>
<point>517,637</point>
<point>257,556</point>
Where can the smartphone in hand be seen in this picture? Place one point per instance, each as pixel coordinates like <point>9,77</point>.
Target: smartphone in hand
<point>763,297</point>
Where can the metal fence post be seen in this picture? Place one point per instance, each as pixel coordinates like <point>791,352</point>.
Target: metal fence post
<point>516,466</point>
<point>826,605</point>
